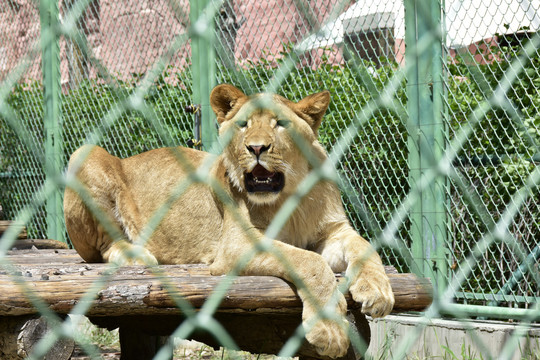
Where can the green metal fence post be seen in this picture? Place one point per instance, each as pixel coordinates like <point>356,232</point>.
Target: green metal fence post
<point>49,17</point>
<point>426,141</point>
<point>439,136</point>
<point>417,247</point>
<point>203,58</point>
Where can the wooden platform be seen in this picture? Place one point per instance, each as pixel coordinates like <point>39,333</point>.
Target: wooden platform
<point>259,312</point>
<point>61,277</point>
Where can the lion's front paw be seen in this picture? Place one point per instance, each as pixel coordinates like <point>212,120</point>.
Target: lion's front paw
<point>144,257</point>
<point>130,254</point>
<point>329,338</point>
<point>372,289</point>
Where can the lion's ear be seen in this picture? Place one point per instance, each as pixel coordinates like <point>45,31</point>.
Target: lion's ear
<point>223,98</point>
<point>314,106</point>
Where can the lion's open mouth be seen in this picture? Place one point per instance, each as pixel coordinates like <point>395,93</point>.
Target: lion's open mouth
<point>261,179</point>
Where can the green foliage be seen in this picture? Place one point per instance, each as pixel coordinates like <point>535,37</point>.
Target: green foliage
<point>496,161</point>
<point>100,337</point>
<point>512,127</point>
<point>86,109</point>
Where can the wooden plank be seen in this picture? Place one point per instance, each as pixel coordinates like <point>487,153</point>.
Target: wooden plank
<point>60,278</point>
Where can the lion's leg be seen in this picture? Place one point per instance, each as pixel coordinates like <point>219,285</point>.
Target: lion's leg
<point>316,284</point>
<point>115,220</point>
<point>345,249</point>
<point>128,250</point>
<point>83,229</point>
<point>126,253</point>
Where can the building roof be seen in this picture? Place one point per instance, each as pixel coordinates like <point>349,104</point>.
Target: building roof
<point>466,22</point>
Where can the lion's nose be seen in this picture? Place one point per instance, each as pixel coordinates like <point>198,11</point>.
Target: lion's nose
<point>257,149</point>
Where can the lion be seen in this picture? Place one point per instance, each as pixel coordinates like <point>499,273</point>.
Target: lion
<point>259,169</point>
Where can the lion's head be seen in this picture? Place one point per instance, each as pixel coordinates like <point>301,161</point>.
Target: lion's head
<point>262,159</point>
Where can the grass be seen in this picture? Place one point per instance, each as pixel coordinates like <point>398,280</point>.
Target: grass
<point>445,351</point>
<point>100,337</point>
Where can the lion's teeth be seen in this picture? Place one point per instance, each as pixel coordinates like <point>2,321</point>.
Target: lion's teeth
<point>260,181</point>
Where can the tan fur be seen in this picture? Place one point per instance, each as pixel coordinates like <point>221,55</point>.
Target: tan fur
<point>199,227</point>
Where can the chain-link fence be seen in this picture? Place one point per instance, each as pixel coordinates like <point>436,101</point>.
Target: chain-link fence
<point>442,140</point>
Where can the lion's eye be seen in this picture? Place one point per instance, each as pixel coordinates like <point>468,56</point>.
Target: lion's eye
<point>241,123</point>
<point>284,123</point>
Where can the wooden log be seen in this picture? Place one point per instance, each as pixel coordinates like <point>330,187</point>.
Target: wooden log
<point>255,310</point>
<point>137,290</point>
<point>44,257</point>
<point>24,244</point>
<point>6,224</point>
<point>33,331</point>
<point>19,335</point>
<point>10,327</point>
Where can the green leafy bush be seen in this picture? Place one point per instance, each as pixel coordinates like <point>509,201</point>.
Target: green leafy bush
<point>496,161</point>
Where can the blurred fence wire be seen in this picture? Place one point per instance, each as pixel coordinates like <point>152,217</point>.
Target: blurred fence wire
<point>434,123</point>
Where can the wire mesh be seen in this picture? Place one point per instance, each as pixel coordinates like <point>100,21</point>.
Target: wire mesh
<point>126,77</point>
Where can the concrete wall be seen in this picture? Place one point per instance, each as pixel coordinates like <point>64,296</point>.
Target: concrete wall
<point>461,339</point>
<point>19,30</point>
<point>128,36</point>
